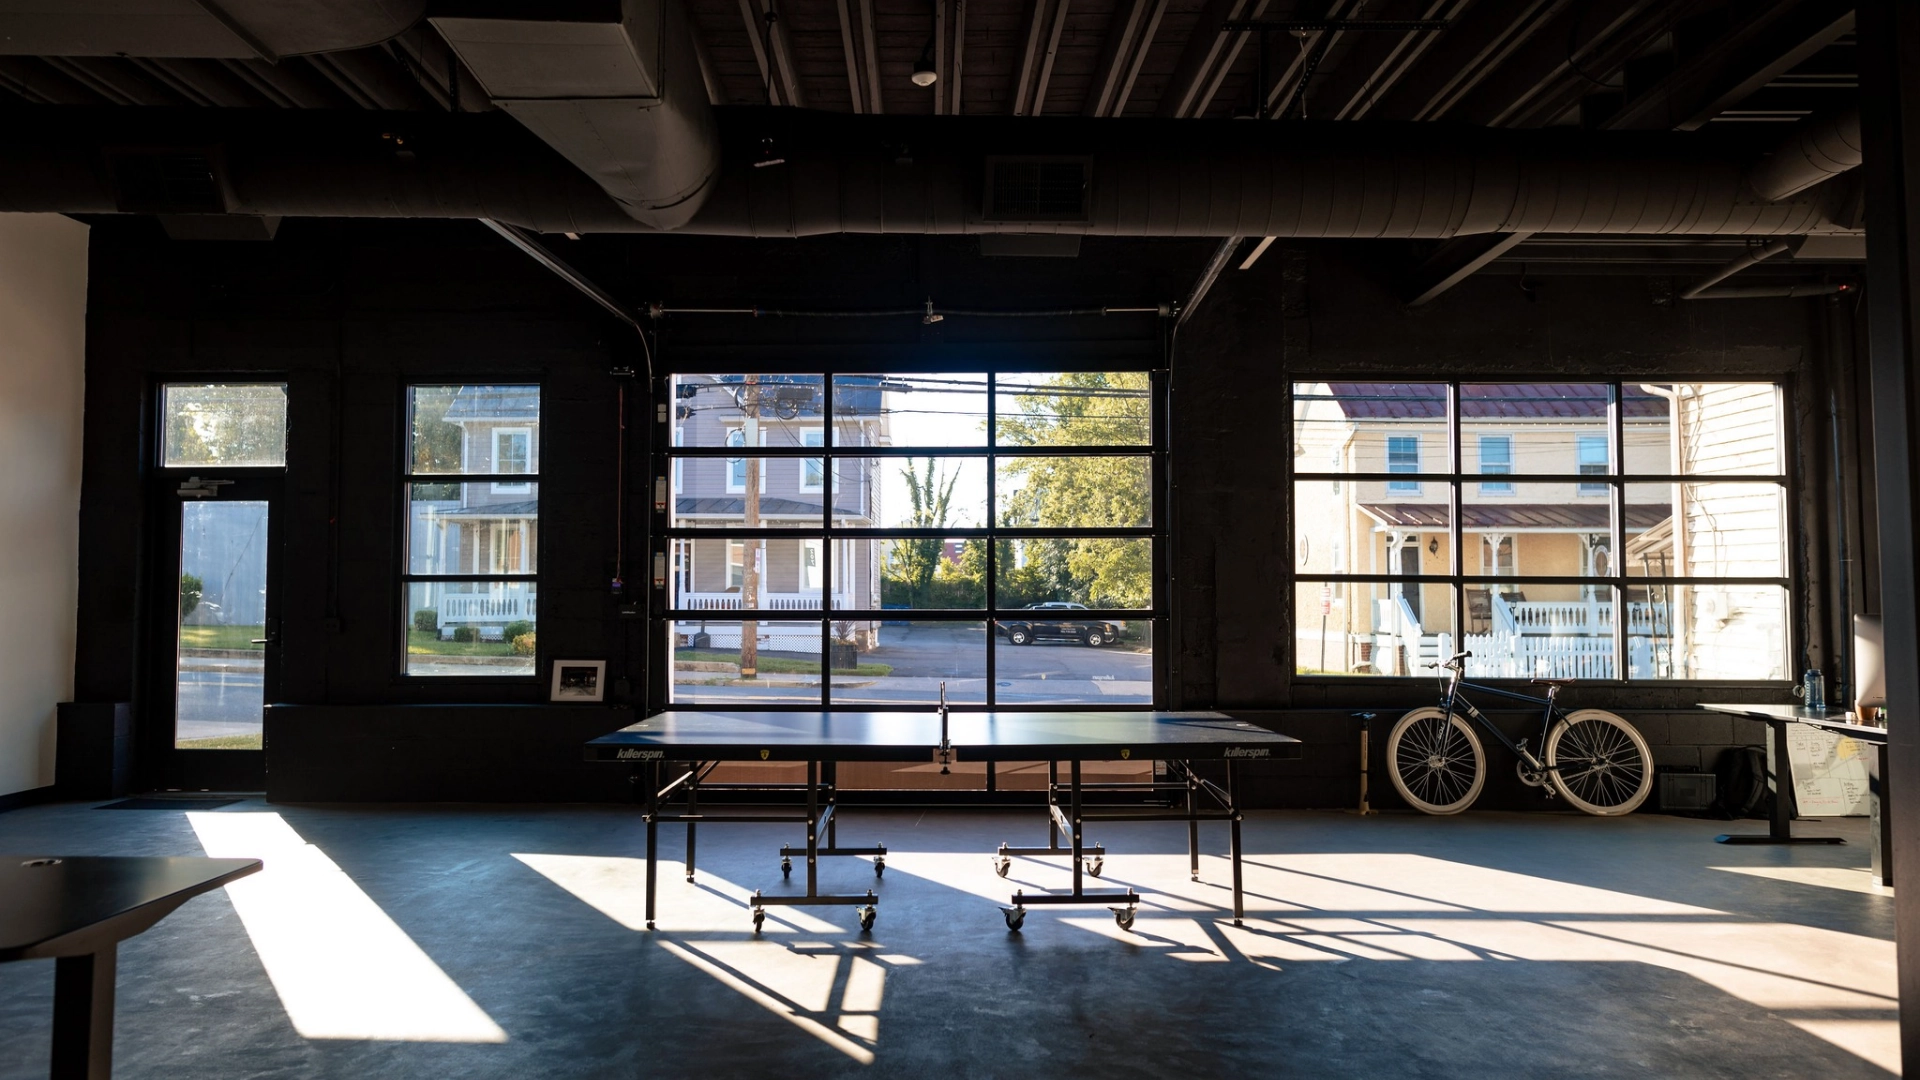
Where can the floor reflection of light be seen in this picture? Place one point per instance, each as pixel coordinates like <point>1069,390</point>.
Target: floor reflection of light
<point>830,989</point>
<point>342,967</point>
<point>1339,907</point>
<point>1850,878</point>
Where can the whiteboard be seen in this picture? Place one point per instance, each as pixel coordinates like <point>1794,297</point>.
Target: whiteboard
<point>1829,772</point>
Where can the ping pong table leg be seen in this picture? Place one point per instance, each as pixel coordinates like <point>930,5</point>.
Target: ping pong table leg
<point>830,775</point>
<point>1074,804</point>
<point>693,807</point>
<point>813,828</point>
<point>1233,826</point>
<point>1053,799</point>
<point>1193,823</point>
<point>653,837</point>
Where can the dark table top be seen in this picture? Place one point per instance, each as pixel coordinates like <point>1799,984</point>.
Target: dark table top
<point>912,736</point>
<point>73,905</point>
<point>1838,720</point>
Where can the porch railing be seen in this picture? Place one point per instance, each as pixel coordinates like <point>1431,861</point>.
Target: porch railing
<point>730,601</point>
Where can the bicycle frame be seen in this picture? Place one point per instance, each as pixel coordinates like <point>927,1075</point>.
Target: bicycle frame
<point>1453,701</point>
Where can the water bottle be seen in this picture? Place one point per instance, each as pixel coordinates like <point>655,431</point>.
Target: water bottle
<point>1814,690</point>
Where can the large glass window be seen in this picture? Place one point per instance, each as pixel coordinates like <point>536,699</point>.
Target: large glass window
<point>470,580</point>
<point>1684,481</point>
<point>895,531</point>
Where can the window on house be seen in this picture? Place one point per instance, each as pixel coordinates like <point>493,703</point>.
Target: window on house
<point>929,516</point>
<point>1593,462</point>
<point>1403,456</point>
<point>1637,532</point>
<point>470,572</point>
<point>1496,459</point>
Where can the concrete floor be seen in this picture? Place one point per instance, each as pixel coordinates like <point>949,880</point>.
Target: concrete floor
<point>411,942</point>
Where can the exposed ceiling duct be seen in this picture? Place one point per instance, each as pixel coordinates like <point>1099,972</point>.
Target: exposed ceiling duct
<point>1819,148</point>
<point>232,29</point>
<point>948,175</point>
<point>620,96</point>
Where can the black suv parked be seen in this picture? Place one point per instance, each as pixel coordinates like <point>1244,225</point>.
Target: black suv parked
<point>1052,620</point>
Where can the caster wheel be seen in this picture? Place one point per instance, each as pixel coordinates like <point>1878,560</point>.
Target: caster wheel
<point>1123,916</point>
<point>1094,866</point>
<point>1015,916</point>
<point>1001,865</point>
<point>689,879</point>
<point>786,867</point>
<point>759,916</point>
<point>879,866</point>
<point>867,915</point>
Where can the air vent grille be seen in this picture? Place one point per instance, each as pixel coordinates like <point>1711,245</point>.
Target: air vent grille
<point>1029,189</point>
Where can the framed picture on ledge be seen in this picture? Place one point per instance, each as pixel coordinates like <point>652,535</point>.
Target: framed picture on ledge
<point>579,680</point>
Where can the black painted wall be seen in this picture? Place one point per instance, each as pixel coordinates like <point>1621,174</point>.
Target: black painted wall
<point>350,313</point>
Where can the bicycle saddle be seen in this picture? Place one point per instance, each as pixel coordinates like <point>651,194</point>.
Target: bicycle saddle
<point>1553,685</point>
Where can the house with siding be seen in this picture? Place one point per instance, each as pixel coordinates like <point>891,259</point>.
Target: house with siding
<point>792,493</point>
<point>485,527</point>
<point>1509,526</point>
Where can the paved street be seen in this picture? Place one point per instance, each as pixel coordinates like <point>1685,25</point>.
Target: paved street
<point>922,655</point>
<point>218,696</point>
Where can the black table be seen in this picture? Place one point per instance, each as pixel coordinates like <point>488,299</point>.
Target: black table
<point>77,910</point>
<point>702,740</point>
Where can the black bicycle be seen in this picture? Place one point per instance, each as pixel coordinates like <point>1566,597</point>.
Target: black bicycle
<point>1592,757</point>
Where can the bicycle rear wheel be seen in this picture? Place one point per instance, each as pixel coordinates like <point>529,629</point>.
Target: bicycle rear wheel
<point>1436,761</point>
<point>1600,763</point>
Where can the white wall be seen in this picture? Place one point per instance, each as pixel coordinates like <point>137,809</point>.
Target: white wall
<point>43,316</point>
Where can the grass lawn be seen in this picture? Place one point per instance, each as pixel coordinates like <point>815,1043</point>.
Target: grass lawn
<point>221,637</point>
<point>781,665</point>
<point>222,742</point>
<point>428,643</point>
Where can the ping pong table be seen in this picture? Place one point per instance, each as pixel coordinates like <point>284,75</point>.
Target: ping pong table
<point>675,751</point>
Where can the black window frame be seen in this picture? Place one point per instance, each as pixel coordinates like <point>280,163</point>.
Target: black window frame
<point>406,578</point>
<point>1158,531</point>
<point>1616,481</point>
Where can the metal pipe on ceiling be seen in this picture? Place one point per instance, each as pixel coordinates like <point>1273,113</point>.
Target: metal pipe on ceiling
<point>848,174</point>
<point>1819,148</point>
<point>1758,255</point>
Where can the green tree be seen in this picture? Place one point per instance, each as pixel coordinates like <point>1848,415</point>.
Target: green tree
<point>191,589</point>
<point>916,560</point>
<point>1080,409</point>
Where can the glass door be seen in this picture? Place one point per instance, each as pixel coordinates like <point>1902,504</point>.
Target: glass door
<point>213,632</point>
<point>224,648</point>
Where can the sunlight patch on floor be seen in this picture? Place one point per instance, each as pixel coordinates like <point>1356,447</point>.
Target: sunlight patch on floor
<point>617,888</point>
<point>1850,878</point>
<point>342,967</point>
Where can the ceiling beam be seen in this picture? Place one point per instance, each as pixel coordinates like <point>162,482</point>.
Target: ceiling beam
<point>1052,53</point>
<point>872,53</point>
<point>1581,45</point>
<point>1116,55</point>
<point>1378,61</point>
<point>940,57</point>
<point>1455,261</point>
<point>1473,47</point>
<point>959,54</point>
<point>1204,48</point>
<point>783,58</point>
<point>114,80</point>
<point>852,61</point>
<point>1144,43</point>
<point>1023,77</point>
<point>709,75</point>
<point>1746,58</point>
<point>290,81</point>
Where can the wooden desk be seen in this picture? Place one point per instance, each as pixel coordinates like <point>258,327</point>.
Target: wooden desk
<point>1777,718</point>
<point>77,911</point>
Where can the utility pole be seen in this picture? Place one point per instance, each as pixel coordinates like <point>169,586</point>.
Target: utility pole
<point>750,551</point>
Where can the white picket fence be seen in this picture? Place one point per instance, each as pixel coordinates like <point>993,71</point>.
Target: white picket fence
<point>730,601</point>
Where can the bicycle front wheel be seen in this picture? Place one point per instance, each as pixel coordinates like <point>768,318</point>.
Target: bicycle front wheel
<point>1435,761</point>
<point>1600,763</point>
